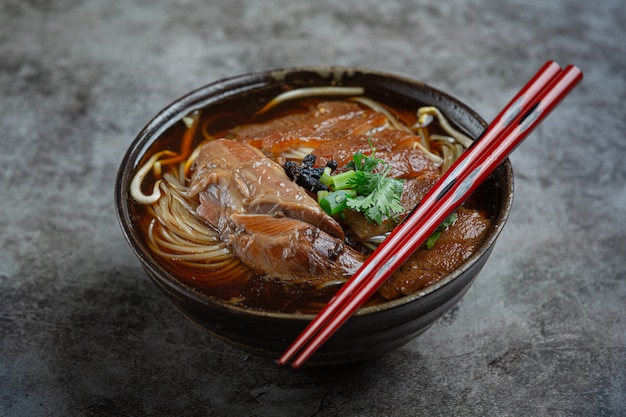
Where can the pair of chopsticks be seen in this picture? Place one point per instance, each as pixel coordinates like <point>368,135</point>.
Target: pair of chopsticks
<point>523,113</point>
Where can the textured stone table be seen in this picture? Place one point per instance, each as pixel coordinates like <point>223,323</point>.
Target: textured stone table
<point>83,331</point>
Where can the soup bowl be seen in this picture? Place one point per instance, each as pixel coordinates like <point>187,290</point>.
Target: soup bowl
<point>373,330</point>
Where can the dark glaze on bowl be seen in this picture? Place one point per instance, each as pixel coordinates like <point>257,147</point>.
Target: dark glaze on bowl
<point>373,330</point>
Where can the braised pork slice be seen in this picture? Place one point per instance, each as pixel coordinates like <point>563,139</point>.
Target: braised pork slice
<point>271,223</point>
<point>291,249</point>
<point>396,147</point>
<point>329,120</point>
<point>427,266</point>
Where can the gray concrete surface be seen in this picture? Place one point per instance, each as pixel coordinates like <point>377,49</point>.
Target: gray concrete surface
<point>83,331</point>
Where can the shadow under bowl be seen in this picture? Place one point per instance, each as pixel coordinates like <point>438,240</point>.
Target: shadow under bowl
<point>372,331</point>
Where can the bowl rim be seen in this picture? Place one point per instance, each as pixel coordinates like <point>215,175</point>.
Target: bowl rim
<point>195,99</point>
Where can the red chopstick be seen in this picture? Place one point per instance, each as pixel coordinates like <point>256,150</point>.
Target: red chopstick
<point>522,100</point>
<point>540,95</point>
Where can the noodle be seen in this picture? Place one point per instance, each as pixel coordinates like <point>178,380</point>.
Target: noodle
<point>310,92</point>
<point>176,233</point>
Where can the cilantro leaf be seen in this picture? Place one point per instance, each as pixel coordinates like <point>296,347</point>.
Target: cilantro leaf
<point>366,187</point>
<point>378,195</point>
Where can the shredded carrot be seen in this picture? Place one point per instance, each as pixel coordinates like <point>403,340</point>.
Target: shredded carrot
<point>185,150</point>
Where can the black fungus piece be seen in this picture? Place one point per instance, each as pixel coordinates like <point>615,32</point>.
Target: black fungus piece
<point>307,176</point>
<point>309,160</point>
<point>291,168</point>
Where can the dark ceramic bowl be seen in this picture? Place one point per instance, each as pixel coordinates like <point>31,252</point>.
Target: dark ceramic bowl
<point>373,330</point>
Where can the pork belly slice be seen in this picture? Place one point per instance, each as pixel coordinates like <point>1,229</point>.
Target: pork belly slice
<point>328,120</point>
<point>231,177</point>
